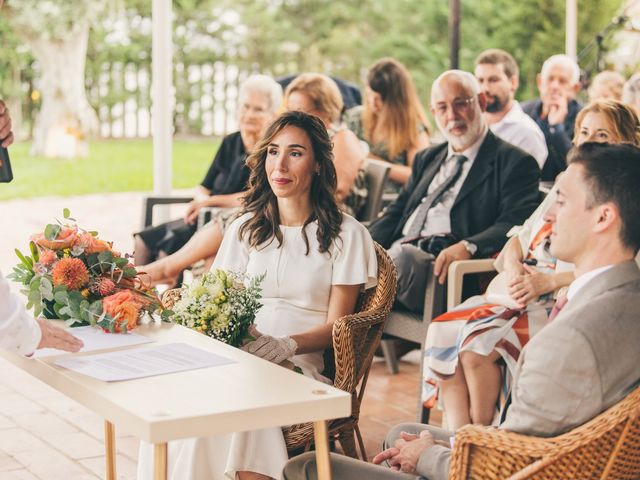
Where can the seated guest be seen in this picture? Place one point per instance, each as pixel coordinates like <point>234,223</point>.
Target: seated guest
<point>392,120</point>
<point>467,192</point>
<point>586,359</point>
<point>349,92</point>
<point>631,91</point>
<point>606,85</point>
<point>556,109</point>
<point>318,95</point>
<point>260,96</point>
<point>316,261</point>
<point>312,93</point>
<point>465,348</point>
<point>497,75</point>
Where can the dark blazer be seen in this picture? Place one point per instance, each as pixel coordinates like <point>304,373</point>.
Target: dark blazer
<point>500,191</point>
<point>558,137</point>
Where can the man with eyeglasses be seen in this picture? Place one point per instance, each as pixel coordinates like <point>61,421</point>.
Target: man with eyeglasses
<point>497,74</point>
<point>463,196</point>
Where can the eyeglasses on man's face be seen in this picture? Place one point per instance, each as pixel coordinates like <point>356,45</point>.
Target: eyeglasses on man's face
<point>458,105</point>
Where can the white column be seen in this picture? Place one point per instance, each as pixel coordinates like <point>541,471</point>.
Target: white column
<point>571,29</point>
<point>161,78</point>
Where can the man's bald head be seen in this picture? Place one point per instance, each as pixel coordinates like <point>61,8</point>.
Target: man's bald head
<point>457,105</point>
<point>460,77</point>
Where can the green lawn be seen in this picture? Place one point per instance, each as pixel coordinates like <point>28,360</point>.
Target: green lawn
<point>112,166</point>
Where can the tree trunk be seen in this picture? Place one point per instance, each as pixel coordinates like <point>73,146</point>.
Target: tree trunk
<point>66,119</point>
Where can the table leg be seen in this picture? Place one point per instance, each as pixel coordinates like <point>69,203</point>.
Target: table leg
<point>322,450</point>
<point>110,450</point>
<point>160,461</point>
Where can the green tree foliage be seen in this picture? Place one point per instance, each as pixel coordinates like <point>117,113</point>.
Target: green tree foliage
<point>338,37</point>
<point>347,36</point>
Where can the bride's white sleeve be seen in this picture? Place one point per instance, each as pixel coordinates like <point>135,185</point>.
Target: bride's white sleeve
<point>354,256</point>
<point>233,254</point>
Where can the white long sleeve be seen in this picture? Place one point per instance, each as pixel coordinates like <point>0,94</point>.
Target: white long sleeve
<point>18,329</point>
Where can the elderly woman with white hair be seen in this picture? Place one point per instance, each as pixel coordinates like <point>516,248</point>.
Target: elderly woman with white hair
<point>176,245</point>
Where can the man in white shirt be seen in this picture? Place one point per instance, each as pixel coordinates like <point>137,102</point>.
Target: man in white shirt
<point>497,75</point>
<point>19,331</point>
<point>586,359</point>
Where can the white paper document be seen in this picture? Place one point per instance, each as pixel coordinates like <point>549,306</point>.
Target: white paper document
<point>143,362</point>
<point>95,338</point>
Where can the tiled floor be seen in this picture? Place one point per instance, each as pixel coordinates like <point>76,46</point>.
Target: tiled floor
<point>46,436</point>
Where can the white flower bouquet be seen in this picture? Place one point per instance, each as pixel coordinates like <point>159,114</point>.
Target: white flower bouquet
<point>222,305</point>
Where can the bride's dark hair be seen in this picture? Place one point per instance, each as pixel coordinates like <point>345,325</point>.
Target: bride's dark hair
<point>264,223</point>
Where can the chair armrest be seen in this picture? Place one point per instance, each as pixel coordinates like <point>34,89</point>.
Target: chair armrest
<point>151,201</point>
<point>491,453</point>
<point>457,270</point>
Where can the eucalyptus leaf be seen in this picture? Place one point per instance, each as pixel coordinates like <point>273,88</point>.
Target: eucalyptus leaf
<point>105,257</point>
<point>51,231</point>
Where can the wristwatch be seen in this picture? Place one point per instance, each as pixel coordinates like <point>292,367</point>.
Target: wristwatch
<point>472,248</point>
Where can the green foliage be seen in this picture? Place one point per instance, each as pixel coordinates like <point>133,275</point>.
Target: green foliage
<point>345,37</point>
<point>112,166</point>
<point>287,36</point>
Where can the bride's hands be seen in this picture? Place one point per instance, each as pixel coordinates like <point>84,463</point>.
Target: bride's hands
<point>273,349</point>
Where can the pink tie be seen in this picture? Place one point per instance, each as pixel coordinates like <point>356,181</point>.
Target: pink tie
<point>559,305</point>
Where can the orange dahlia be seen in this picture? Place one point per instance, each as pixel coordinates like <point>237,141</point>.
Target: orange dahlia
<point>124,307</point>
<point>70,272</point>
<point>65,239</point>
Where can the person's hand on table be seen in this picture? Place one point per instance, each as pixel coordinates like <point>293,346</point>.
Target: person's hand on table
<point>406,452</point>
<point>55,337</point>
<point>273,349</point>
<point>6,135</point>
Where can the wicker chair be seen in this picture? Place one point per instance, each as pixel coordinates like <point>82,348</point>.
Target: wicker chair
<point>355,339</point>
<point>607,447</point>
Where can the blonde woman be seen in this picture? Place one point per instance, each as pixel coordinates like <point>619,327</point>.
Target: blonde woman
<point>319,95</point>
<point>391,121</point>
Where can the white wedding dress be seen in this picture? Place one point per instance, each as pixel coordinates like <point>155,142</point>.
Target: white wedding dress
<point>295,298</point>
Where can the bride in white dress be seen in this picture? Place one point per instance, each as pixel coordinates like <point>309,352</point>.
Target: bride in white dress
<point>316,261</point>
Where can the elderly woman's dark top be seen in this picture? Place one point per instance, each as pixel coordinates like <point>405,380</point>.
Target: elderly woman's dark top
<point>227,174</point>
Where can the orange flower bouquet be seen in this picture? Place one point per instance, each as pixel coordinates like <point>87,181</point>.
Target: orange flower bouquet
<point>73,275</point>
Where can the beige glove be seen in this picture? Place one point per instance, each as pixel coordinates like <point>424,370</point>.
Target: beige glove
<point>270,348</point>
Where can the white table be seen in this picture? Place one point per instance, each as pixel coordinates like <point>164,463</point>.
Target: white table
<point>246,395</point>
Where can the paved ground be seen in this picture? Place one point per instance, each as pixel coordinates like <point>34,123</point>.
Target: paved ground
<point>44,435</point>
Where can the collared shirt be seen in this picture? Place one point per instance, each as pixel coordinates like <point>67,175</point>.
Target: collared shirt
<point>439,215</point>
<point>583,279</point>
<point>519,129</point>
<point>19,331</point>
